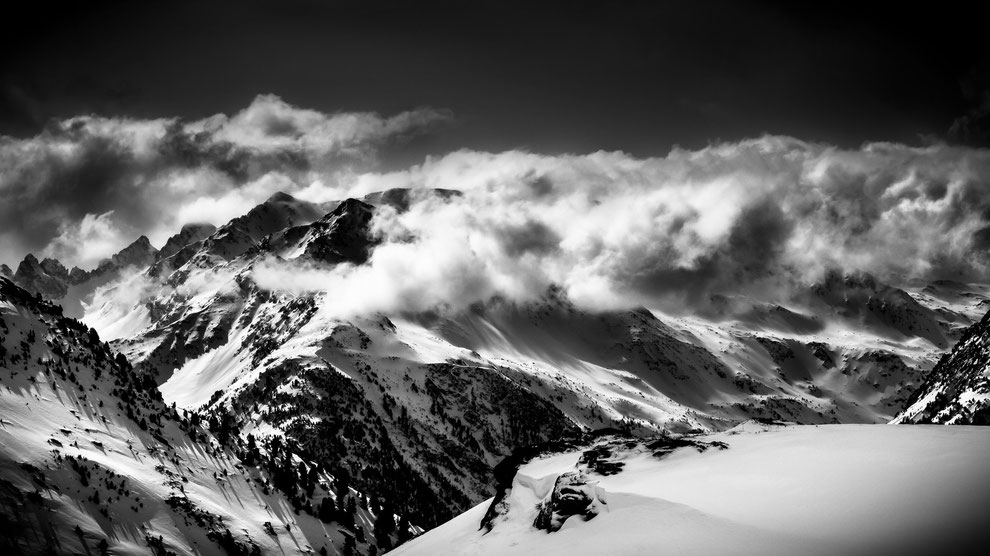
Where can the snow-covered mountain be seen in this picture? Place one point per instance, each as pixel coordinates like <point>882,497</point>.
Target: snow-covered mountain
<point>415,409</point>
<point>754,489</point>
<point>74,288</point>
<point>94,461</point>
<point>957,390</point>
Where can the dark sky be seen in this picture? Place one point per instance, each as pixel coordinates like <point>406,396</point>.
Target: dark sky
<point>568,76</point>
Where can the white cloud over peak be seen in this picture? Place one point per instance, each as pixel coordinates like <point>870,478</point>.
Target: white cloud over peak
<point>152,176</point>
<point>756,216</point>
<point>760,216</point>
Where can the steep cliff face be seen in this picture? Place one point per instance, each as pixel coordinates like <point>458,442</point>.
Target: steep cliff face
<point>48,277</point>
<point>957,390</point>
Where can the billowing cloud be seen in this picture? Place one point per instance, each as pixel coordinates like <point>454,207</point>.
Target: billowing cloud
<point>87,241</point>
<point>760,217</point>
<point>151,176</point>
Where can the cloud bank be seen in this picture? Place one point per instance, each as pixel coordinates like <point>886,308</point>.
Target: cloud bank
<point>89,185</point>
<point>757,217</point>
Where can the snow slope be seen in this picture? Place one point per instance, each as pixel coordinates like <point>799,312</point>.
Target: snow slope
<point>832,489</point>
<point>90,454</point>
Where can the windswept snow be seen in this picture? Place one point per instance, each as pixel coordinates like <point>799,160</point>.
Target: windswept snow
<point>832,489</point>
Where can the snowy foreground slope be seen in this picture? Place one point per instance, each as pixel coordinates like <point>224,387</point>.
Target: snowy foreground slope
<point>92,461</point>
<point>754,489</point>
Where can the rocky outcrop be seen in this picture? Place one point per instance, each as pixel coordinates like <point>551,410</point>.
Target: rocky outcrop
<point>179,248</point>
<point>576,492</point>
<point>957,390</point>
<point>573,495</point>
<point>243,233</point>
<point>52,280</point>
<point>138,254</point>
<point>48,277</point>
<point>190,233</point>
<point>343,235</point>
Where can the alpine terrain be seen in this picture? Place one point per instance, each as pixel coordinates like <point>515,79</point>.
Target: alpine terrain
<point>176,400</point>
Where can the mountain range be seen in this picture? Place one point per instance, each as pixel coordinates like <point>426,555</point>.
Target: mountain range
<point>241,417</point>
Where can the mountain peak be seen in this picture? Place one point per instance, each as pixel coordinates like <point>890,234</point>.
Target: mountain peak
<point>139,253</point>
<point>195,227</point>
<point>47,277</point>
<point>188,234</point>
<point>179,248</point>
<point>350,205</point>
<point>281,197</point>
<point>279,212</point>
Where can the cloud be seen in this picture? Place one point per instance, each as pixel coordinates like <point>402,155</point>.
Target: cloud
<point>270,125</point>
<point>760,217</point>
<point>87,241</point>
<point>152,176</point>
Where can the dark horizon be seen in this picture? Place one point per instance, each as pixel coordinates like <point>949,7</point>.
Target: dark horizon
<point>632,76</point>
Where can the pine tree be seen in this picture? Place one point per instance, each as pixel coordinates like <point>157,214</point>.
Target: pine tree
<point>350,547</point>
<point>385,525</point>
<point>405,533</point>
<point>327,511</point>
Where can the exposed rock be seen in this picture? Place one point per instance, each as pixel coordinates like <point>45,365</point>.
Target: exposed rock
<point>343,235</point>
<point>243,233</point>
<point>957,390</point>
<point>573,495</point>
<point>48,278</point>
<point>779,351</point>
<point>77,275</point>
<point>54,268</point>
<point>190,233</point>
<point>179,248</point>
<point>140,253</point>
<point>820,351</point>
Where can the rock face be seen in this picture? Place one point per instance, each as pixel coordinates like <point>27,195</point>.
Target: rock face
<point>574,494</point>
<point>51,279</point>
<point>343,235</point>
<point>576,491</point>
<point>190,233</point>
<point>279,212</point>
<point>179,248</point>
<point>140,253</point>
<point>48,277</point>
<point>957,390</point>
